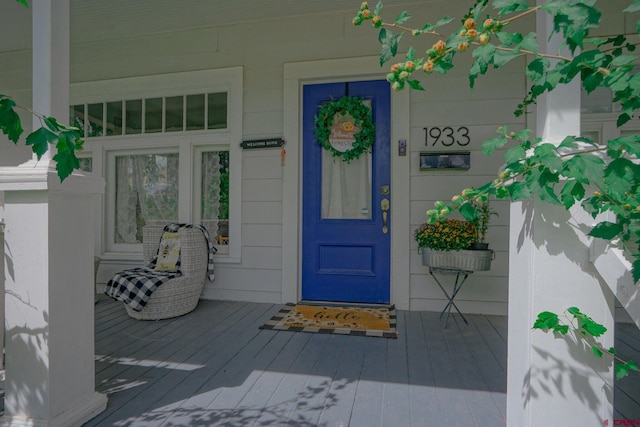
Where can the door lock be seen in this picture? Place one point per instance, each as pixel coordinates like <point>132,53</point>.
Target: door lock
<point>384,204</point>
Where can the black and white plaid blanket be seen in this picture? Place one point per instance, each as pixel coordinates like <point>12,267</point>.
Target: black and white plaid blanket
<point>135,286</point>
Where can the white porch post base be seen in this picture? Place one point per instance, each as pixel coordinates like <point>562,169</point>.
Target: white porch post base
<point>75,416</point>
<point>49,316</point>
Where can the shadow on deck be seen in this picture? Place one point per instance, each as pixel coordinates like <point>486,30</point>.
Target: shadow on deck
<point>215,367</point>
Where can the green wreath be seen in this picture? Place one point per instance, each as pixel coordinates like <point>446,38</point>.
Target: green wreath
<point>362,117</point>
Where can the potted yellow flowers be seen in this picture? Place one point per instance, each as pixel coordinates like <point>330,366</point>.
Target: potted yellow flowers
<point>446,243</point>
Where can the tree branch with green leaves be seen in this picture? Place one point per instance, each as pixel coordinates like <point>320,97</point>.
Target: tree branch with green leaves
<point>67,139</point>
<point>585,330</point>
<point>600,177</point>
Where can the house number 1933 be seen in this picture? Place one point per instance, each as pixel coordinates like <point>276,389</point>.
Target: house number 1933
<point>446,136</point>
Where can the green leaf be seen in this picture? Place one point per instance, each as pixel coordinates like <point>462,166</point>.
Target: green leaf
<point>530,43</point>
<point>508,39</point>
<point>623,60</point>
<point>66,160</point>
<point>23,2</point>
<point>515,154</point>
<point>378,9</point>
<point>596,351</point>
<point>9,119</point>
<point>573,19</point>
<point>444,21</point>
<point>547,194</point>
<point>411,54</point>
<point>636,271</point>
<point>574,310</point>
<point>622,119</point>
<point>587,324</point>
<point>484,56</point>
<point>502,57</point>
<point>585,167</point>
<point>561,329</point>
<point>51,123</point>
<point>492,144</point>
<point>612,351</point>
<point>622,369</point>
<point>618,80</point>
<point>389,47</point>
<point>403,17</point>
<point>546,320</point>
<point>444,65</point>
<point>629,143</point>
<point>606,230</point>
<point>633,7</point>
<point>508,6</point>
<point>519,191</point>
<point>536,68</point>
<point>502,193</point>
<point>415,84</point>
<point>620,176</point>
<point>468,211</point>
<point>40,139</point>
<point>547,155</point>
<point>571,191</point>
<point>592,82</point>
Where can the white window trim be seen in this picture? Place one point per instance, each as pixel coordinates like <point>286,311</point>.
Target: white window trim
<point>104,149</point>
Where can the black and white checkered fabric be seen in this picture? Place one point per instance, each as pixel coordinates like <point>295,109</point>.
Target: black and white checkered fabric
<point>135,286</point>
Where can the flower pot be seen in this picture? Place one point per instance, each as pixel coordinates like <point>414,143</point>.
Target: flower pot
<point>470,260</point>
<point>477,246</point>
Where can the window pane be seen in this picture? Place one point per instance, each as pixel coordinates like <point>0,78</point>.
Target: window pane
<point>134,116</point>
<point>214,209</point>
<point>96,123</point>
<point>598,101</point>
<point>146,193</point>
<point>114,118</point>
<point>153,115</point>
<point>76,117</point>
<point>594,135</point>
<point>195,112</point>
<point>173,119</point>
<point>217,104</point>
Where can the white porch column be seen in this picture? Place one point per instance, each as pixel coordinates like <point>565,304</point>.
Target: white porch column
<point>552,381</point>
<point>49,235</point>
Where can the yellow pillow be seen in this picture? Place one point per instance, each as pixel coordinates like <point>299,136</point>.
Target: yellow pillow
<point>168,252</point>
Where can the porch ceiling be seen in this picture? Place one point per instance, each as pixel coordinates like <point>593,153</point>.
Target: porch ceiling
<point>107,19</point>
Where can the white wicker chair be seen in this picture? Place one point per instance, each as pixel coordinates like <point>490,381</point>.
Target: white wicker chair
<point>180,295</point>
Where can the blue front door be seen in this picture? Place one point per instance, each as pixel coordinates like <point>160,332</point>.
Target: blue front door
<point>345,234</point>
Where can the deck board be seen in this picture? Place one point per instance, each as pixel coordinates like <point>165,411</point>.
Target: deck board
<point>215,367</point>
<point>627,390</point>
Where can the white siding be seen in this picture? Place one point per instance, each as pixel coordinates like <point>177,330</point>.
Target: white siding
<point>139,47</point>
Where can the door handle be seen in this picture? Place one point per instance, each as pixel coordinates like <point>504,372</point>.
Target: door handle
<point>384,204</point>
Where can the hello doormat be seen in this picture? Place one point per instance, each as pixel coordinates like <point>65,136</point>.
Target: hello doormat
<point>323,319</point>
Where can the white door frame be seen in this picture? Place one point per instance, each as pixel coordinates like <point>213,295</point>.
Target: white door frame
<point>334,70</point>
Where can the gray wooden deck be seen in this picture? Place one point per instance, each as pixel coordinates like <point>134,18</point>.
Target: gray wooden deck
<point>216,367</point>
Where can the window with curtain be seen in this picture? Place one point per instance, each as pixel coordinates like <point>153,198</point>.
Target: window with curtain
<point>147,192</point>
<point>214,200</point>
<point>164,150</point>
